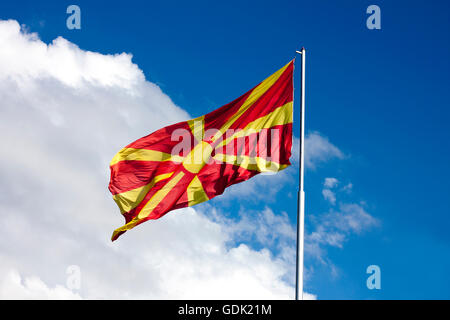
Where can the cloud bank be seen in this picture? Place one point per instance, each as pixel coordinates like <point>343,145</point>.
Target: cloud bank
<point>64,113</point>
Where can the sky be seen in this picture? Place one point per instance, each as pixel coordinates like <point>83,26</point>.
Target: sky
<point>376,149</point>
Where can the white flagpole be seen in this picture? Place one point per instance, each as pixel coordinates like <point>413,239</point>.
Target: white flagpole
<point>301,193</point>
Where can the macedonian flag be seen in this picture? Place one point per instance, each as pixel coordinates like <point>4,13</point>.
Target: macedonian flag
<point>193,161</point>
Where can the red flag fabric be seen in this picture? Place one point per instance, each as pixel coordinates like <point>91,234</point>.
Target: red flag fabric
<point>194,161</point>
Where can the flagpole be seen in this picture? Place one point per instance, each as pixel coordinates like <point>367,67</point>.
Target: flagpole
<point>301,193</point>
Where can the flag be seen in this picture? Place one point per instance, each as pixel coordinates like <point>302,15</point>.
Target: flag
<point>193,161</point>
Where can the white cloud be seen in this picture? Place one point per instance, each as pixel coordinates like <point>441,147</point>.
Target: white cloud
<point>64,113</point>
<point>309,296</point>
<point>13,286</point>
<point>335,227</point>
<point>26,58</point>
<point>330,183</point>
<point>189,255</point>
<point>329,196</point>
<point>348,187</point>
<point>353,217</point>
<point>266,226</point>
<point>318,150</point>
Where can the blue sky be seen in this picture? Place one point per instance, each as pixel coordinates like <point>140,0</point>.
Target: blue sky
<point>380,96</point>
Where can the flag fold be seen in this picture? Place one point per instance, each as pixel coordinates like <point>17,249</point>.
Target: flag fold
<point>193,161</point>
